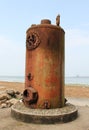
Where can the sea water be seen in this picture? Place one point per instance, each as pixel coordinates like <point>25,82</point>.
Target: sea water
<point>77,80</point>
<point>68,80</point>
<point>12,78</point>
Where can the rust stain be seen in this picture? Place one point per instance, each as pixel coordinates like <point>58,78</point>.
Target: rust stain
<point>51,79</point>
<point>45,63</point>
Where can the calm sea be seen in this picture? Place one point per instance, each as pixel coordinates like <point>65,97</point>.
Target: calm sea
<point>77,80</point>
<point>12,78</point>
<point>68,80</point>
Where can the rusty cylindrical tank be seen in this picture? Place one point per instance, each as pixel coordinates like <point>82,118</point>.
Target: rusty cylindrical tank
<point>44,78</point>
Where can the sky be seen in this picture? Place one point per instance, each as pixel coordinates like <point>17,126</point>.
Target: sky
<point>16,16</point>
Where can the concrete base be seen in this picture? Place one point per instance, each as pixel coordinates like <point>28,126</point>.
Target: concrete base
<point>44,116</point>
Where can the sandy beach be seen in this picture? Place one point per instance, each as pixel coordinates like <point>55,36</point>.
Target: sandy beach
<point>76,94</point>
<point>79,91</point>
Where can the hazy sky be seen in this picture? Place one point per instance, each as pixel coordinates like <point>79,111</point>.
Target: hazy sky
<point>16,16</point>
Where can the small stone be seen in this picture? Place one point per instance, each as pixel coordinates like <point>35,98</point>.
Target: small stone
<point>4,96</point>
<point>3,105</point>
<point>3,101</point>
<point>8,103</point>
<point>13,101</point>
<point>17,92</point>
<point>0,103</point>
<point>11,92</point>
<point>19,96</point>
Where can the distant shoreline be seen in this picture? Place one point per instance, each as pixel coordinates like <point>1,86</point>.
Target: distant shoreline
<point>79,80</point>
<point>74,80</point>
<point>78,85</point>
<point>66,84</point>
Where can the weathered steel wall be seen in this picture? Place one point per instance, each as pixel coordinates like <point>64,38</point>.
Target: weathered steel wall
<point>44,79</point>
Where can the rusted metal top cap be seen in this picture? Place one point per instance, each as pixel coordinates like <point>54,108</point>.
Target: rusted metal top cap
<point>45,21</point>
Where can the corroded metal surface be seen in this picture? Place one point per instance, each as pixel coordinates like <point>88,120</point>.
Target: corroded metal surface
<point>45,63</point>
<point>30,97</point>
<point>32,41</point>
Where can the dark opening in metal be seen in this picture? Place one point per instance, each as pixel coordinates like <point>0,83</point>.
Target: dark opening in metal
<point>25,93</point>
<point>34,95</point>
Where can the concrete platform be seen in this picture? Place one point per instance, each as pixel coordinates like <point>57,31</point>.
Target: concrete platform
<point>44,116</point>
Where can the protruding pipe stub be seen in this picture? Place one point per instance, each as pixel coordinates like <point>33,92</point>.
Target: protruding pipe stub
<point>30,97</point>
<point>58,20</point>
<point>33,25</point>
<point>45,21</point>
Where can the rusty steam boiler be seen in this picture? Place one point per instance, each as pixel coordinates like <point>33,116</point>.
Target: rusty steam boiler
<point>44,77</point>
